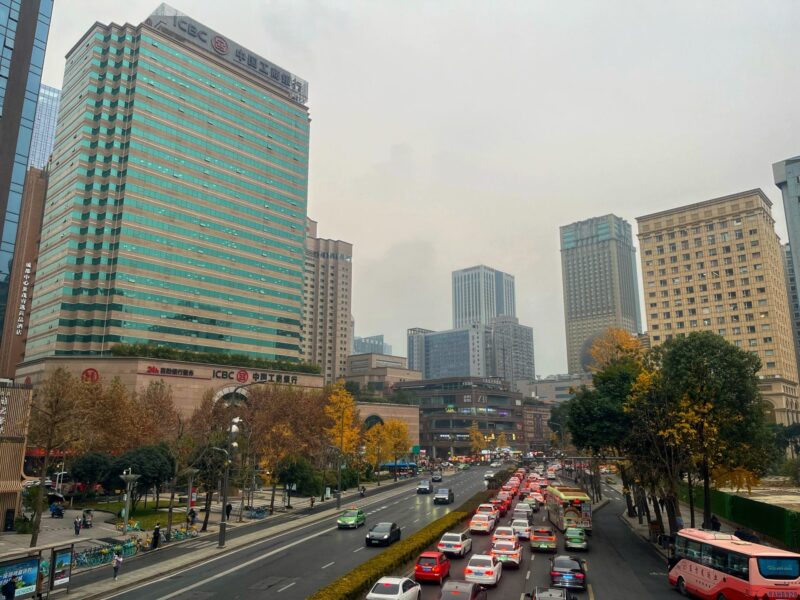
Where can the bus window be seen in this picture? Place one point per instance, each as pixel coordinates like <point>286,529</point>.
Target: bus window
<point>737,565</point>
<point>719,559</point>
<point>705,557</point>
<point>680,547</point>
<point>779,567</point>
<point>693,550</point>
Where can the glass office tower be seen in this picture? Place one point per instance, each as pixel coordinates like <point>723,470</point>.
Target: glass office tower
<point>44,127</point>
<point>177,200</point>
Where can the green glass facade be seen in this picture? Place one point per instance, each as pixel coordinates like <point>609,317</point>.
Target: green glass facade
<point>177,203</point>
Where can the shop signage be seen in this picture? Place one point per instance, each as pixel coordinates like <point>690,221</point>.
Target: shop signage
<point>243,376</point>
<point>24,296</point>
<point>90,375</point>
<point>172,372</point>
<point>5,397</point>
<point>26,569</point>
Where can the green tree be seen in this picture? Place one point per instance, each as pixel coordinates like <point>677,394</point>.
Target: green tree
<point>153,464</point>
<point>91,468</point>
<point>296,470</point>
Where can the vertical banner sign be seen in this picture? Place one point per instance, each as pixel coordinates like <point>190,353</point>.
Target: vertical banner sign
<point>60,567</point>
<point>26,569</point>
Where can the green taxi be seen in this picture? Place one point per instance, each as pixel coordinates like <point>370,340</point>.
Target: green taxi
<point>352,518</point>
<point>575,539</point>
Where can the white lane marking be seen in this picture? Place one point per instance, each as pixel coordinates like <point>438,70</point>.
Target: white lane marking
<point>286,587</point>
<point>527,575</point>
<point>415,520</point>
<point>329,564</point>
<point>359,549</point>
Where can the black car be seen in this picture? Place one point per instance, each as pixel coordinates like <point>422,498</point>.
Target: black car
<point>461,590</point>
<point>444,496</point>
<point>383,534</point>
<point>424,487</point>
<point>567,572</point>
<point>436,477</point>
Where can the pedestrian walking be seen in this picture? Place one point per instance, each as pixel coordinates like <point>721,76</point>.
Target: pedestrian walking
<point>715,523</point>
<point>9,588</point>
<point>77,525</point>
<point>156,536</point>
<point>193,515</point>
<point>228,510</point>
<point>116,563</point>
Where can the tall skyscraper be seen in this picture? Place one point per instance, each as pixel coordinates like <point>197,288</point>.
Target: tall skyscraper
<point>717,266</point>
<point>480,294</point>
<point>44,127</point>
<point>327,295</point>
<point>794,297</point>
<point>176,207</point>
<point>415,338</point>
<point>511,350</point>
<point>24,27</point>
<point>457,352</point>
<point>601,289</point>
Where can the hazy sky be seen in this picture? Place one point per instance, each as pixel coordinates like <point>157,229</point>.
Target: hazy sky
<point>452,133</point>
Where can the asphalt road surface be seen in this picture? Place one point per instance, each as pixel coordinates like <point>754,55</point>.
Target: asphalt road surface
<point>295,564</point>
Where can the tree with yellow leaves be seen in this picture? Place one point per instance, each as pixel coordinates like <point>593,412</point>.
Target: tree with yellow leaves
<point>477,441</point>
<point>502,440</point>
<point>397,441</point>
<point>613,345</point>
<point>344,426</point>
<point>376,447</point>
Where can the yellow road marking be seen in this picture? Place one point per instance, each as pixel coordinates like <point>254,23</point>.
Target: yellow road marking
<point>591,592</point>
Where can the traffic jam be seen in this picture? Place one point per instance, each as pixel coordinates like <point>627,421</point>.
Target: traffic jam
<point>529,515</point>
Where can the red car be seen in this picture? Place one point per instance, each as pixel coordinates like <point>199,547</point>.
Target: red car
<point>432,566</point>
<point>501,505</point>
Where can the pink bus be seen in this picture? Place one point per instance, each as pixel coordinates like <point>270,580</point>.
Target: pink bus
<point>720,566</point>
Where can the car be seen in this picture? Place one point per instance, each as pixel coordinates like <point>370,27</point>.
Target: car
<point>395,588</point>
<point>496,465</point>
<point>455,543</point>
<point>543,538</point>
<point>501,506</point>
<point>522,528</point>
<point>551,474</point>
<point>488,509</point>
<point>567,572</point>
<point>432,566</point>
<point>484,569</point>
<point>462,590</point>
<point>488,475</point>
<point>523,507</point>
<point>352,518</point>
<point>463,466</point>
<point>444,496</point>
<point>550,594</point>
<point>383,534</point>
<point>504,533</point>
<point>575,539</point>
<point>482,522</point>
<point>436,477</point>
<point>508,552</point>
<point>424,487</point>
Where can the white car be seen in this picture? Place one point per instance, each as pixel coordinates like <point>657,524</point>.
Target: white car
<point>395,588</point>
<point>522,528</point>
<point>504,533</point>
<point>483,569</point>
<point>482,522</point>
<point>496,465</point>
<point>455,543</point>
<point>551,474</point>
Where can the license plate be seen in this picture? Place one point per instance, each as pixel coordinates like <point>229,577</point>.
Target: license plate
<point>542,545</point>
<point>426,568</point>
<point>448,545</point>
<point>503,557</point>
<point>480,573</point>
<point>567,576</point>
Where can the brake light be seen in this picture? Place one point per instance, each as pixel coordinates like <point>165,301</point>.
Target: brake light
<point>457,546</point>
<point>579,575</point>
<point>467,571</point>
<point>489,572</point>
<point>555,574</point>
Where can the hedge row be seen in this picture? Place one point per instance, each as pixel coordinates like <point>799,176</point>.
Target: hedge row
<point>358,581</point>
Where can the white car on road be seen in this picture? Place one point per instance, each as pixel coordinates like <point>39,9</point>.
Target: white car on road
<point>455,543</point>
<point>395,588</point>
<point>482,522</point>
<point>483,569</point>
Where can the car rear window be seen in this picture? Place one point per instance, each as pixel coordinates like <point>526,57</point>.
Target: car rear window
<point>519,523</point>
<point>481,518</point>
<point>480,562</point>
<point>779,567</point>
<point>426,560</point>
<point>566,564</point>
<point>504,546</point>
<point>451,537</point>
<point>542,531</point>
<point>386,588</point>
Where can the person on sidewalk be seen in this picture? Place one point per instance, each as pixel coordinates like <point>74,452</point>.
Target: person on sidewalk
<point>228,510</point>
<point>116,563</point>
<point>156,536</point>
<point>77,525</point>
<point>9,588</point>
<point>715,523</point>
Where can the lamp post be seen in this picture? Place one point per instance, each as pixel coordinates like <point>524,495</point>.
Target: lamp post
<point>190,473</point>
<point>232,430</point>
<point>129,478</point>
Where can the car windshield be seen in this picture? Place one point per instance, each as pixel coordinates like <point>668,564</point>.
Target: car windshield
<point>451,537</point>
<point>480,562</point>
<point>426,560</point>
<point>779,567</point>
<point>443,491</point>
<point>350,513</point>
<point>382,527</point>
<point>386,588</point>
<point>424,483</point>
<point>456,593</point>
<point>566,564</point>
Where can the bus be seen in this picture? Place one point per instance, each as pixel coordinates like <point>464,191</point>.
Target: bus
<point>569,507</point>
<point>713,565</point>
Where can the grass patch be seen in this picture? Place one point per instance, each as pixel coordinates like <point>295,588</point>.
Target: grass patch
<point>147,517</point>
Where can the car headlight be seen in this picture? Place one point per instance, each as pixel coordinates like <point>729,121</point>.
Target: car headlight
<point>386,537</point>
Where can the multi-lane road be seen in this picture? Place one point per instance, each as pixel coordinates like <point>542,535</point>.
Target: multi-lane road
<point>296,563</point>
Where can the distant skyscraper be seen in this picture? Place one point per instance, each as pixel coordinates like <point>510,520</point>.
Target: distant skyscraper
<point>44,127</point>
<point>327,292</point>
<point>601,290</point>
<point>511,349</point>
<point>457,352</point>
<point>415,349</point>
<point>372,344</point>
<point>480,294</point>
<point>794,298</point>
<point>787,177</point>
<point>24,27</point>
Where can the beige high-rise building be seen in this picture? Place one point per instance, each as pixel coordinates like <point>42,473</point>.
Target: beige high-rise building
<point>717,266</point>
<point>327,290</point>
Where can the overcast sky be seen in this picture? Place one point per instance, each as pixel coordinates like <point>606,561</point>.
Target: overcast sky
<point>452,133</point>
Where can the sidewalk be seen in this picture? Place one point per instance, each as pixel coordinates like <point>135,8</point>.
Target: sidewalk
<point>61,531</point>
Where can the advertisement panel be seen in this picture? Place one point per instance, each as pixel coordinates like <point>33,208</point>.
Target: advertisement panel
<point>61,567</point>
<point>26,569</point>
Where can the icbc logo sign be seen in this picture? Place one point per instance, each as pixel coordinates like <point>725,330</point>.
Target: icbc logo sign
<point>241,375</point>
<point>220,44</point>
<point>90,375</point>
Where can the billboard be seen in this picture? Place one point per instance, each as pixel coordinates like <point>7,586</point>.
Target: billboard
<point>61,568</point>
<point>26,569</point>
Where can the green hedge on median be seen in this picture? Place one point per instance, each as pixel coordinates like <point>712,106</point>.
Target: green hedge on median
<point>362,578</point>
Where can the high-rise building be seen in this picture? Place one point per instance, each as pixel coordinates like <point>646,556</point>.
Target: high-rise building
<point>327,295</point>
<point>601,289</point>
<point>373,344</point>
<point>794,299</point>
<point>415,348</point>
<point>176,207</point>
<point>44,127</point>
<point>457,352</point>
<point>480,294</point>
<point>717,266</point>
<point>511,349</point>
<point>787,177</point>
<point>24,27</point>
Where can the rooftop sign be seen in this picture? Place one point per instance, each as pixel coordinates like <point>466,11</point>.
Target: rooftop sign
<point>167,19</point>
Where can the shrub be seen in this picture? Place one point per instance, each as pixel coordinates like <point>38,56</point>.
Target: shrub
<point>355,583</point>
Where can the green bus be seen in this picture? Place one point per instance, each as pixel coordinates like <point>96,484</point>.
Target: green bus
<point>569,507</point>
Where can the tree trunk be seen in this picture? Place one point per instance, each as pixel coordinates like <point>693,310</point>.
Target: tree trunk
<point>324,474</point>
<point>39,508</point>
<point>669,505</point>
<point>172,504</point>
<point>706,495</point>
<point>272,500</point>
<point>626,491</point>
<point>657,511</point>
<point>158,495</point>
<point>691,498</point>
<point>208,510</point>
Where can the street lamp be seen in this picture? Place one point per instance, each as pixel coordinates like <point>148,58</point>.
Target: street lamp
<point>232,430</point>
<point>129,478</point>
<point>190,473</point>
